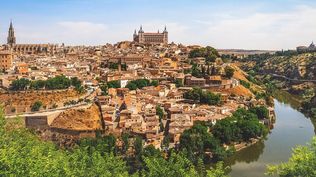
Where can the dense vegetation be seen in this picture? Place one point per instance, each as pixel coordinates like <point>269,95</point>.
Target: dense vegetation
<point>205,140</point>
<point>114,84</point>
<point>302,163</point>
<point>204,97</point>
<point>199,143</point>
<point>140,83</point>
<point>209,53</point>
<point>58,82</point>
<point>23,154</point>
<point>241,126</point>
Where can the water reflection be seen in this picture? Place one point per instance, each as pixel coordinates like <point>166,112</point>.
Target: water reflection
<point>243,156</point>
<point>292,128</point>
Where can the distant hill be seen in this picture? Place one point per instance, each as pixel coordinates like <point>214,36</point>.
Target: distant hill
<point>298,66</point>
<point>243,52</point>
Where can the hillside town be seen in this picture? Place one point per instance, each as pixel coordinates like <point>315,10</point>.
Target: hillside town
<point>141,87</point>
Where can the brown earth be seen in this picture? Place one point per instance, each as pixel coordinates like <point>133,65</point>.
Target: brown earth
<point>79,119</point>
<point>238,90</point>
<point>22,101</point>
<point>239,74</point>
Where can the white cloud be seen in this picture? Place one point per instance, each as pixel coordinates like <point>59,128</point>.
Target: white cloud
<point>266,30</point>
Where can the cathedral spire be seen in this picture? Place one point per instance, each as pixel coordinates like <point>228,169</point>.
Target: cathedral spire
<point>141,29</point>
<point>11,40</point>
<point>165,30</point>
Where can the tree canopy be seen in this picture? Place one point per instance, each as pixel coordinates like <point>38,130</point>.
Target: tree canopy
<point>204,97</point>
<point>141,83</point>
<point>58,82</point>
<point>209,53</point>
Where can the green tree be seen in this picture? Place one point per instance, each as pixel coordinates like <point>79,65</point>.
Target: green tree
<point>36,106</point>
<point>178,83</point>
<point>104,89</point>
<point>20,84</point>
<point>39,84</point>
<point>204,97</point>
<point>125,139</point>
<point>229,72</point>
<point>114,84</point>
<point>138,146</point>
<point>131,86</point>
<point>302,162</point>
<point>261,111</point>
<point>154,83</point>
<point>22,153</point>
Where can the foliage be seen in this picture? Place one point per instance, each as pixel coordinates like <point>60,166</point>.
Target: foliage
<point>104,89</point>
<point>302,162</point>
<point>23,154</point>
<point>125,140</point>
<point>229,72</point>
<point>204,97</point>
<point>196,141</point>
<point>261,111</point>
<point>209,53</point>
<point>217,171</point>
<point>58,82</point>
<point>177,165</point>
<point>36,106</point>
<point>140,83</point>
<point>245,83</point>
<point>114,84</point>
<point>178,83</point>
<point>20,84</point>
<point>160,113</point>
<point>241,126</point>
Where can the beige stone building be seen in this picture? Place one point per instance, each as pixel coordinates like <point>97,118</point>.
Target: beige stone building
<point>151,38</point>
<point>6,59</point>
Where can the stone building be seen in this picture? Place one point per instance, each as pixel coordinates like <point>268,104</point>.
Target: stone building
<point>151,38</point>
<point>6,60</point>
<point>27,48</point>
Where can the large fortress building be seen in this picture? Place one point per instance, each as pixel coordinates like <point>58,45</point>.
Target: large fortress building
<point>150,38</point>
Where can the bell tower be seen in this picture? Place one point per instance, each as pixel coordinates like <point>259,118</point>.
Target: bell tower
<point>165,35</point>
<point>11,38</point>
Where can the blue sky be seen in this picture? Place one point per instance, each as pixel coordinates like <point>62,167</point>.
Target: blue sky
<point>247,24</point>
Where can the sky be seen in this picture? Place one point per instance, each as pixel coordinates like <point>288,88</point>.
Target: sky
<point>223,24</point>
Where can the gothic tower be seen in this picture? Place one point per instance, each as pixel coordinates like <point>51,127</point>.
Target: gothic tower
<point>11,38</point>
<point>135,35</point>
<point>165,35</point>
<point>141,37</point>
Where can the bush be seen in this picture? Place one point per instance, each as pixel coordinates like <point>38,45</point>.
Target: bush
<point>36,106</point>
<point>245,84</point>
<point>229,72</point>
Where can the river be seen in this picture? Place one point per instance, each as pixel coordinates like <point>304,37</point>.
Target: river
<point>291,128</point>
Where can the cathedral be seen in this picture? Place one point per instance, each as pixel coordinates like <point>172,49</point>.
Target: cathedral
<point>150,38</point>
<point>27,48</point>
<point>11,38</point>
